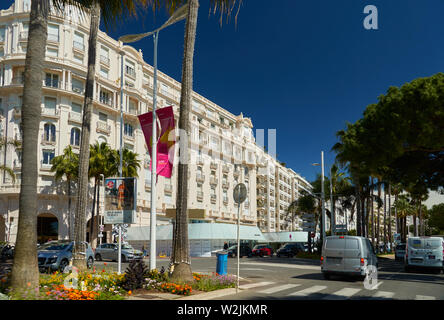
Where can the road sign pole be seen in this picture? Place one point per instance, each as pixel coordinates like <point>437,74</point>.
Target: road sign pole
<point>238,245</point>
<point>119,258</point>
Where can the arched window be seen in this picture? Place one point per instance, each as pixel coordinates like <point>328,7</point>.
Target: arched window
<point>101,139</point>
<point>49,132</point>
<point>75,137</point>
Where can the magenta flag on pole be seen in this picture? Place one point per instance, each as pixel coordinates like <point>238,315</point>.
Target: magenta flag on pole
<point>167,138</point>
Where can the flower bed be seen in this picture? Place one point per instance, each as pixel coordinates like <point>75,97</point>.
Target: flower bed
<point>108,285</point>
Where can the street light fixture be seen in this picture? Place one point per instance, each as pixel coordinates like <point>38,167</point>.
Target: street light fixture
<point>322,194</point>
<point>177,16</point>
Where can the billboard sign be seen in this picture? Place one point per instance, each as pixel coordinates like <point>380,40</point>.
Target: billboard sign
<point>120,200</point>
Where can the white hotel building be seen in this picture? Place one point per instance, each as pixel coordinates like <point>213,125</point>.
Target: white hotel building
<point>215,131</point>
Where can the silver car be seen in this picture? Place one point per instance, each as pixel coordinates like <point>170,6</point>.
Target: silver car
<point>110,251</point>
<point>348,255</point>
<point>56,255</point>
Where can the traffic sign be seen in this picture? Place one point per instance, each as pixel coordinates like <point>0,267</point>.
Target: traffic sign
<point>308,224</point>
<point>308,216</point>
<point>313,234</point>
<point>240,193</point>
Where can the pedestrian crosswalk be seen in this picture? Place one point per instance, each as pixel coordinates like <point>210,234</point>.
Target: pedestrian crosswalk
<point>323,292</point>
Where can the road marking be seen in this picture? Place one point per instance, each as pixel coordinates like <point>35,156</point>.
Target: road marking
<point>279,288</point>
<point>342,294</point>
<point>419,297</point>
<point>257,284</point>
<point>383,294</point>
<point>307,291</point>
<point>283,265</point>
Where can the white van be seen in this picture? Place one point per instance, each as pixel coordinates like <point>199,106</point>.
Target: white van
<point>425,252</point>
<point>348,255</point>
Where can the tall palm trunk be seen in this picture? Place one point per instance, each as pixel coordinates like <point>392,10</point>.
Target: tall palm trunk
<point>82,198</point>
<point>390,216</point>
<point>358,211</point>
<point>91,227</point>
<point>415,226</point>
<point>378,227</point>
<point>373,213</point>
<point>25,272</point>
<point>181,255</point>
<point>70,225</point>
<point>421,220</point>
<point>385,217</point>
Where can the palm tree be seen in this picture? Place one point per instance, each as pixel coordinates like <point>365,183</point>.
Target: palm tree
<point>67,165</point>
<point>404,208</point>
<point>101,162</point>
<point>181,261</point>
<point>25,268</point>
<point>110,10</point>
<point>130,163</point>
<point>4,143</point>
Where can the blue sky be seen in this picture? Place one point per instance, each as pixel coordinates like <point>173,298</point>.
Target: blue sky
<point>302,67</point>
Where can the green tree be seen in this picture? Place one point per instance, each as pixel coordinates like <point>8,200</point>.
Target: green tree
<point>130,163</point>
<point>436,219</point>
<point>181,261</point>
<point>67,165</point>
<point>4,143</point>
<point>25,271</point>
<point>110,11</point>
<point>101,163</point>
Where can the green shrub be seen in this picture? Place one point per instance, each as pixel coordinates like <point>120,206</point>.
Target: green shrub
<point>135,275</point>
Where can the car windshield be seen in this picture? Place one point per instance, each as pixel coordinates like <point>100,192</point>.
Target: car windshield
<point>259,247</point>
<point>400,247</point>
<point>126,246</point>
<point>54,246</point>
<point>232,248</point>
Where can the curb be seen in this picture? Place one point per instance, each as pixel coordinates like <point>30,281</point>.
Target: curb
<point>210,295</point>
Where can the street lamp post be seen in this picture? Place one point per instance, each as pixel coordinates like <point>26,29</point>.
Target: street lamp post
<point>177,16</point>
<point>322,194</point>
<point>323,197</point>
<point>332,211</point>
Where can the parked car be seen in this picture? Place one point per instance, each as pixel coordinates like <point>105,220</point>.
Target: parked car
<point>400,251</point>
<point>245,251</point>
<point>110,251</point>
<point>262,250</point>
<point>56,255</point>
<point>290,249</point>
<point>6,251</point>
<point>349,256</point>
<point>424,252</point>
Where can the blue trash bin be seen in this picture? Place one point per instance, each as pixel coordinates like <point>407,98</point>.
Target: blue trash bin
<point>221,267</point>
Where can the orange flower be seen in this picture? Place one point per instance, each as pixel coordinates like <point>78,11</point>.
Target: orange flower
<point>129,292</point>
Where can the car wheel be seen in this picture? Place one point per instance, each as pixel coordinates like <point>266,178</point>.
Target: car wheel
<point>326,276</point>
<point>407,268</point>
<point>63,264</point>
<point>90,262</point>
<point>123,258</point>
<point>278,255</point>
<point>98,257</point>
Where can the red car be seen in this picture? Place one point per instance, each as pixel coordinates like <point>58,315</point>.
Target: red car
<point>262,250</point>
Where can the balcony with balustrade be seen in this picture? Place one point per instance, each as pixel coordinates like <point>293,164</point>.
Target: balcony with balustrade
<point>213,199</point>
<point>75,117</point>
<point>213,181</point>
<point>200,177</point>
<point>200,196</point>
<point>168,188</point>
<point>50,113</point>
<point>103,127</point>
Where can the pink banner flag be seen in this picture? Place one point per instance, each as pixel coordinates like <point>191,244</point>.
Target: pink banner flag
<point>167,138</point>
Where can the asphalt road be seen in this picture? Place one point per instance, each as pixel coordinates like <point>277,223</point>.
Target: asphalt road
<point>291,279</point>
